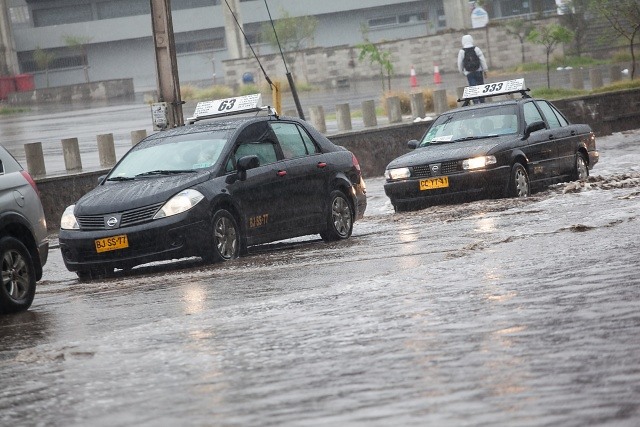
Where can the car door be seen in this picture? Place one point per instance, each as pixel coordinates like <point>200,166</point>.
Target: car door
<point>565,136</point>
<point>305,171</point>
<point>539,147</point>
<point>260,196</point>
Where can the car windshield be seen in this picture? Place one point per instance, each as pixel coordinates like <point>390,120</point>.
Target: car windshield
<point>171,155</point>
<point>474,123</point>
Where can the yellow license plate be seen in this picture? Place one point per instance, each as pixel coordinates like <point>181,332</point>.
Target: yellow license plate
<point>112,243</point>
<point>432,183</point>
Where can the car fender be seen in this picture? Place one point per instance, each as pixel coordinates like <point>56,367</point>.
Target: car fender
<point>15,224</point>
<point>342,182</point>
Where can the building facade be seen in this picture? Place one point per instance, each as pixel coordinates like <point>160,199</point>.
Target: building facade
<point>91,40</point>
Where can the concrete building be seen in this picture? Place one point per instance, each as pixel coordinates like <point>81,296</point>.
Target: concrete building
<point>111,39</point>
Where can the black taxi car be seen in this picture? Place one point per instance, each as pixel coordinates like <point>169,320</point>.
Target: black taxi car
<point>213,189</point>
<point>498,149</point>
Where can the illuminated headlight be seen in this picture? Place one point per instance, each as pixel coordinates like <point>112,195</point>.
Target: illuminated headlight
<point>399,173</point>
<point>68,220</point>
<point>478,162</point>
<point>181,202</point>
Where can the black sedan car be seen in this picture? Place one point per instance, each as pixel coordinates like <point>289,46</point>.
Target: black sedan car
<point>212,190</point>
<point>496,149</point>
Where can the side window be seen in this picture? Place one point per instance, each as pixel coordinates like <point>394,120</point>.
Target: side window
<point>561,118</point>
<point>294,141</point>
<point>531,114</point>
<point>265,151</point>
<point>551,116</point>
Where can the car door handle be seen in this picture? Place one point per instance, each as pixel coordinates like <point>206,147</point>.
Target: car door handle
<point>551,136</point>
<point>281,173</point>
<point>573,133</point>
<point>322,165</point>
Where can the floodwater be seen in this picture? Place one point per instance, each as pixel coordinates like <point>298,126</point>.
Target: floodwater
<point>497,312</point>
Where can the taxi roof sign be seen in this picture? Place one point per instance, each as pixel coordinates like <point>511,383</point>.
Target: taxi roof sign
<point>494,89</point>
<point>227,107</point>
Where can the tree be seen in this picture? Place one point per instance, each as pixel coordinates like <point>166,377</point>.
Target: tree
<point>43,59</point>
<point>382,58</point>
<point>79,44</point>
<point>550,36</point>
<point>521,29</point>
<point>293,32</point>
<point>575,17</point>
<point>624,17</point>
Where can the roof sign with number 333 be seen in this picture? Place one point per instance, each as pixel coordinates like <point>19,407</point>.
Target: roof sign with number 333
<point>491,89</point>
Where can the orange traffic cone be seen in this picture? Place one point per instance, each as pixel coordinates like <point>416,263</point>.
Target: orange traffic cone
<point>413,80</point>
<point>436,75</point>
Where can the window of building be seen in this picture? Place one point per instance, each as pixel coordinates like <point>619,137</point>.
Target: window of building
<point>190,4</point>
<point>412,17</point>
<point>121,8</point>
<point>19,15</point>
<point>62,58</point>
<point>62,15</point>
<point>381,22</point>
<point>200,45</point>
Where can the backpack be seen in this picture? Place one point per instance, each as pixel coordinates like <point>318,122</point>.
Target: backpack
<point>471,62</point>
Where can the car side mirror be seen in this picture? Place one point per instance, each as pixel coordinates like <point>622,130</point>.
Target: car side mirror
<point>245,163</point>
<point>101,179</point>
<point>413,144</point>
<point>534,127</point>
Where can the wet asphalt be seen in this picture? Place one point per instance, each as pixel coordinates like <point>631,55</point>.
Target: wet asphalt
<point>490,313</point>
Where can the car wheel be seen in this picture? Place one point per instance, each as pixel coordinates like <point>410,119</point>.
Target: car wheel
<point>18,276</point>
<point>401,207</point>
<point>581,171</point>
<point>340,218</point>
<point>226,237</point>
<point>519,182</point>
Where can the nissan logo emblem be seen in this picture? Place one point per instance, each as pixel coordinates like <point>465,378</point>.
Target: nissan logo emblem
<point>112,222</point>
<point>435,168</point>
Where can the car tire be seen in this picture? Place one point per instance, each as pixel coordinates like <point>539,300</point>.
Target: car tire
<point>401,207</point>
<point>225,244</point>
<point>339,218</point>
<point>18,279</point>
<point>581,170</point>
<point>519,185</point>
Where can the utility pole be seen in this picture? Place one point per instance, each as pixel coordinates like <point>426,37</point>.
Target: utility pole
<point>166,63</point>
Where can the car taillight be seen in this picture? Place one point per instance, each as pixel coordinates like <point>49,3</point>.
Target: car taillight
<point>30,181</point>
<point>356,164</point>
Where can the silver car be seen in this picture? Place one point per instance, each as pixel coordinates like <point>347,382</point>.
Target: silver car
<point>24,245</point>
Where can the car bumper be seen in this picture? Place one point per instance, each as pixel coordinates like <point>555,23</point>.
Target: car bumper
<point>464,185</point>
<point>168,238</point>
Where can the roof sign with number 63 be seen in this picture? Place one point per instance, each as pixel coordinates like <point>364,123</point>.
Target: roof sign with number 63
<point>227,107</point>
<point>493,89</point>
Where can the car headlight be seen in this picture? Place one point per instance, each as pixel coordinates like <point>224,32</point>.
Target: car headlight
<point>478,162</point>
<point>399,173</point>
<point>181,202</point>
<point>68,220</point>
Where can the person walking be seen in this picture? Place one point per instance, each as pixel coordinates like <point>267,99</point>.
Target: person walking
<point>471,62</point>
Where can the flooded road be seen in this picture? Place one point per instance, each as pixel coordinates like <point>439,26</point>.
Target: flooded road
<point>496,312</point>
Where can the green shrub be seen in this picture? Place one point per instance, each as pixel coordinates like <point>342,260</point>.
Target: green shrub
<point>621,85</point>
<point>556,93</point>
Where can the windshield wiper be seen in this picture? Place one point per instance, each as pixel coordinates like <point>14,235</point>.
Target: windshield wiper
<point>121,178</point>
<point>166,172</point>
<point>468,138</point>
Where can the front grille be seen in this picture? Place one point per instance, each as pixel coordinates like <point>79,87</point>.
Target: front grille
<point>129,217</point>
<point>446,168</point>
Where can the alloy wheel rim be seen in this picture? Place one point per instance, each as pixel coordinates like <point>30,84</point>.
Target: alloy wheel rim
<point>225,235</point>
<point>521,184</point>
<point>341,213</point>
<point>582,168</point>
<point>15,277</point>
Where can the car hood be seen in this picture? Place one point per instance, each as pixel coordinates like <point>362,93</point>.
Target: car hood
<point>449,151</point>
<point>117,196</point>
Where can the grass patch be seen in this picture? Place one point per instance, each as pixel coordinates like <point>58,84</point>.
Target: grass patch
<point>557,93</point>
<point>13,110</point>
<point>621,85</point>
